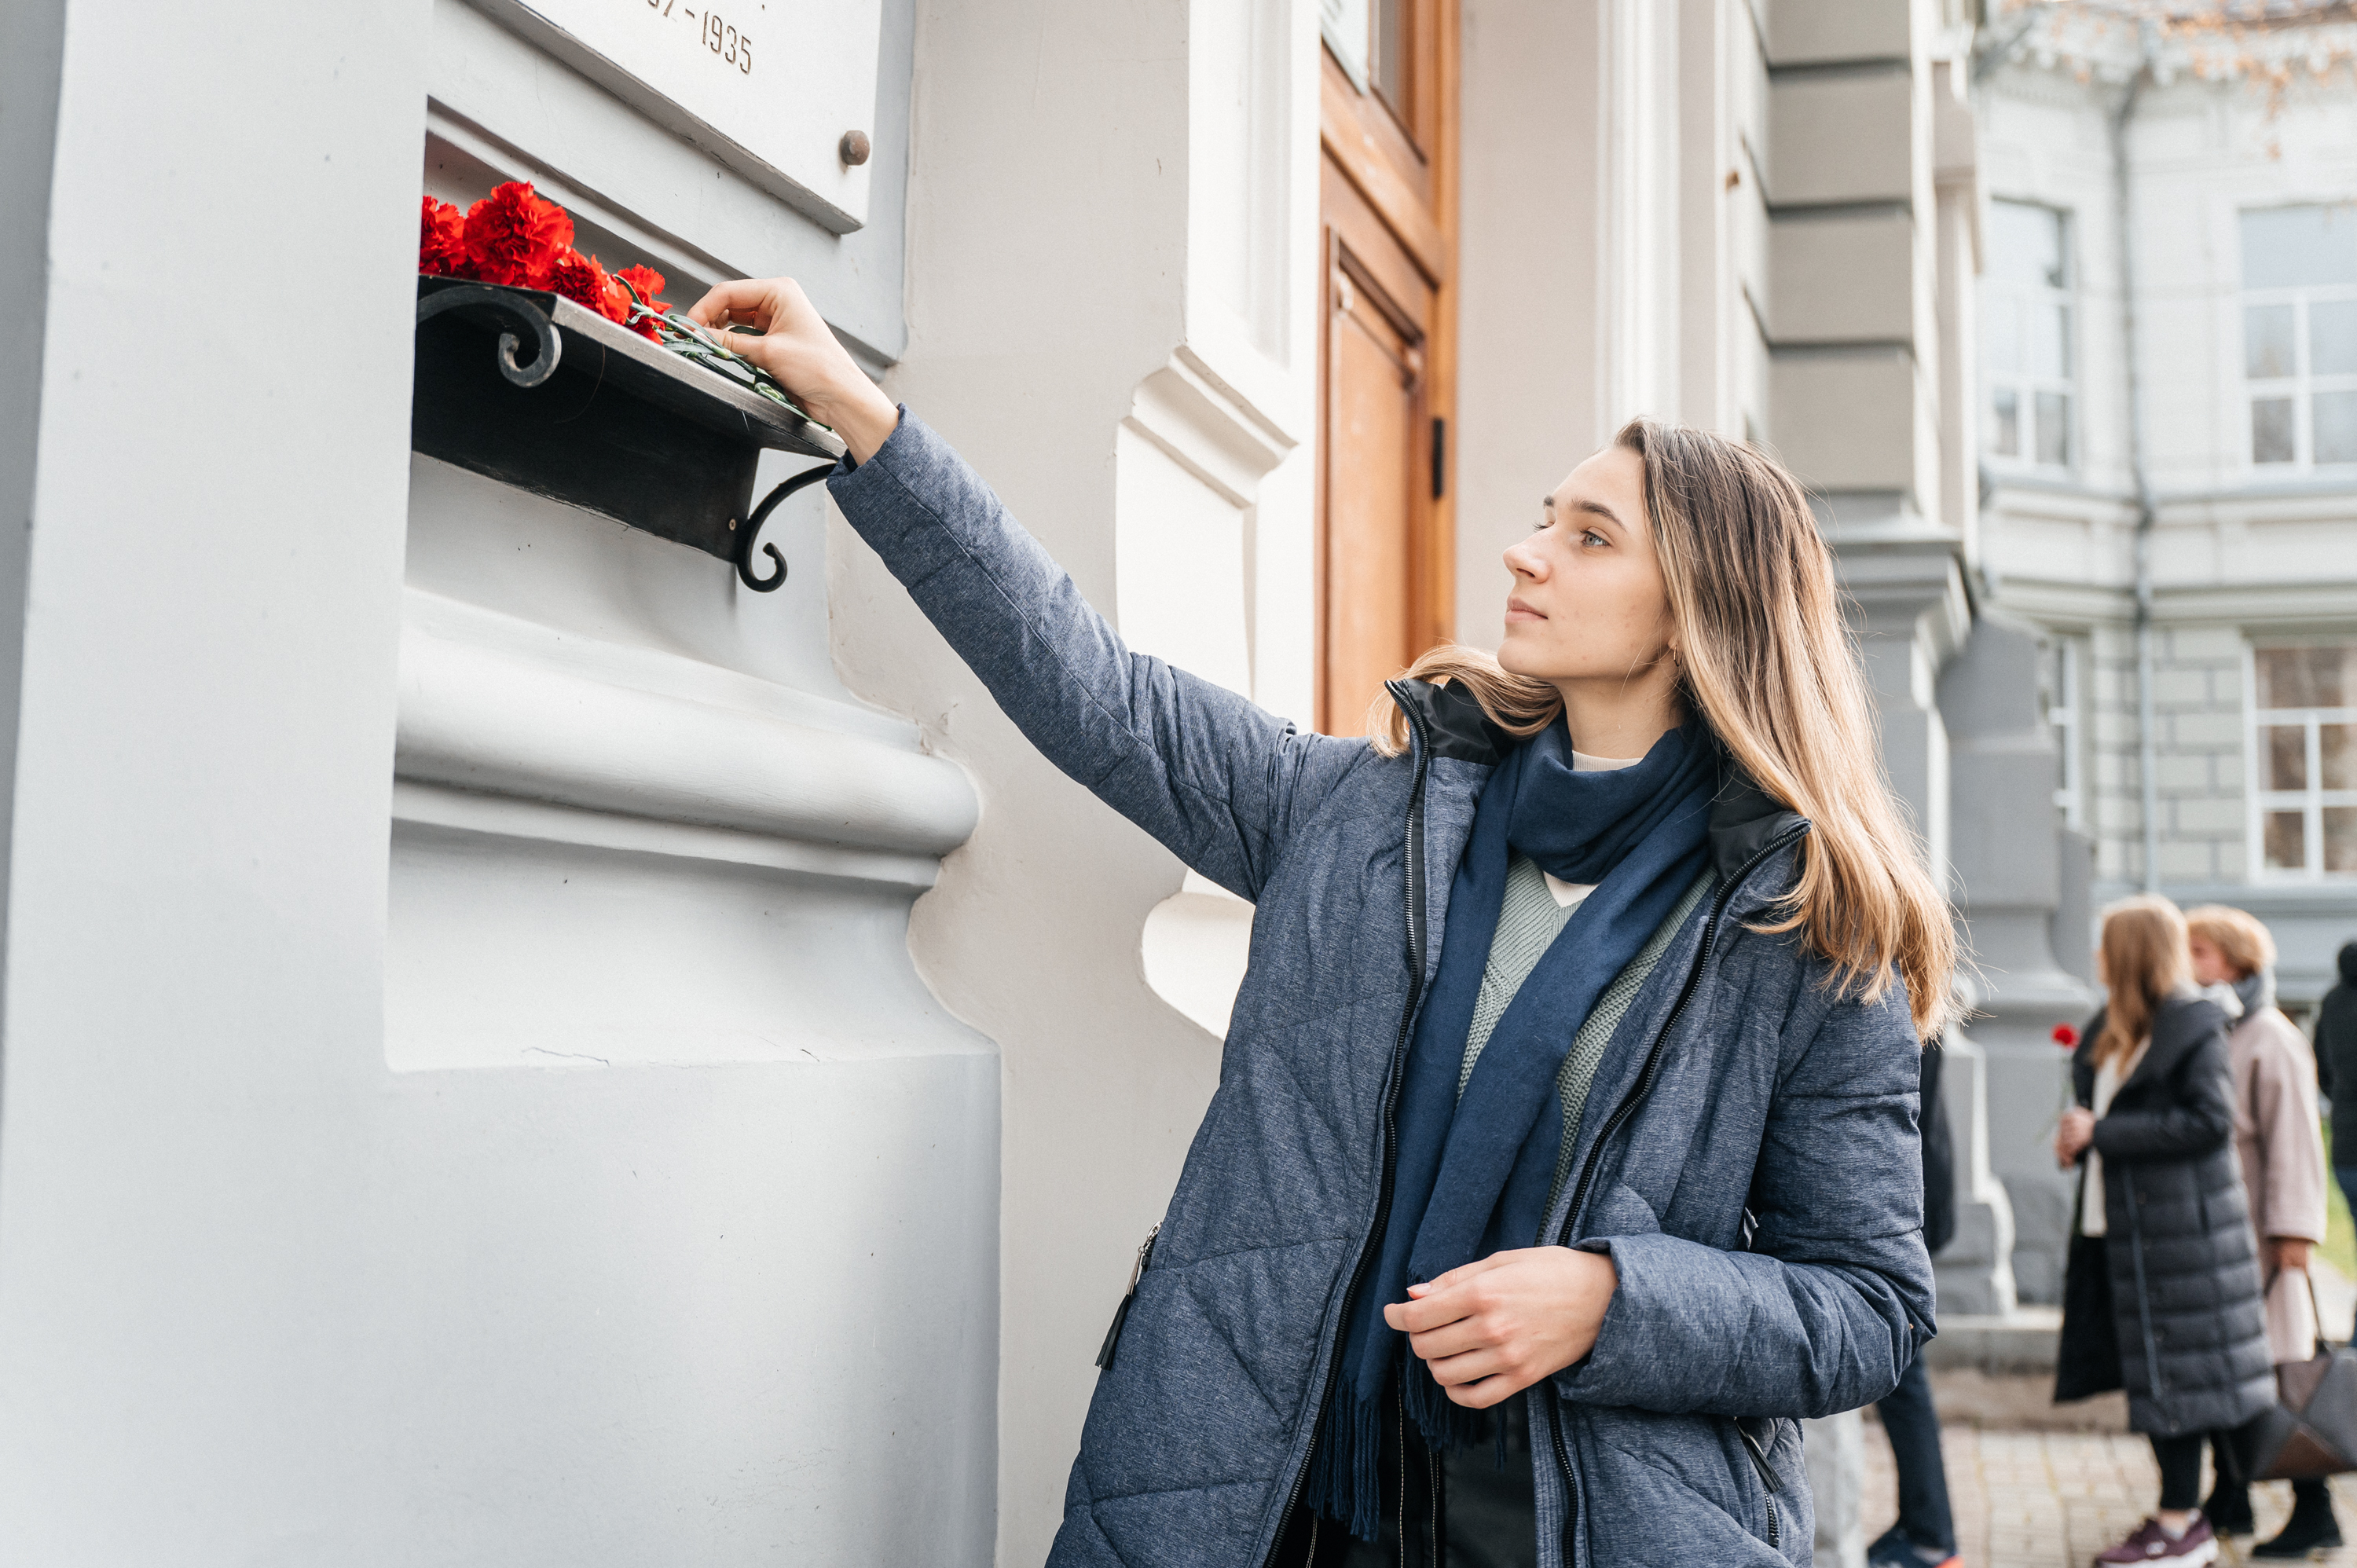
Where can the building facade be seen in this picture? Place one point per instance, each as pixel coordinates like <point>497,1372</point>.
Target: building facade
<point>2168,440</point>
<point>518,1049</point>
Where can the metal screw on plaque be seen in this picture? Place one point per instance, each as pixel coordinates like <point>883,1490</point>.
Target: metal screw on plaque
<point>853,149</point>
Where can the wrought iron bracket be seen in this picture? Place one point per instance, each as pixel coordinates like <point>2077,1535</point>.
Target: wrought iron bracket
<point>604,419</point>
<point>548,348</point>
<point>747,535</point>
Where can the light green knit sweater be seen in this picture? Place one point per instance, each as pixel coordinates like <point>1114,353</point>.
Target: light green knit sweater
<point>1529,920</point>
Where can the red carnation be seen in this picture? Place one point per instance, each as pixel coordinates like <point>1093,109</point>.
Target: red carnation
<point>442,241</point>
<point>584,281</point>
<point>2066,1036</point>
<point>646,284</point>
<point>514,237</point>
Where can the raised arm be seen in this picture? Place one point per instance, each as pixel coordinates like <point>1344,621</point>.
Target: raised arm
<point>1203,769</point>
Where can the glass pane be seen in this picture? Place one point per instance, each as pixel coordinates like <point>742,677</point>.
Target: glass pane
<point>1389,71</point>
<point>2340,838</point>
<point>2332,337</point>
<point>2286,756</point>
<point>2281,677</point>
<point>2005,423</point>
<point>2283,841</point>
<point>2001,330</point>
<point>2025,244</point>
<point>2271,435</point>
<point>2267,342</point>
<point>2292,247</point>
<point>2337,756</point>
<point>2335,414</point>
<point>2054,428</point>
<point>2049,341</point>
<point>2322,676</point>
<point>2332,674</point>
<point>1346,25</point>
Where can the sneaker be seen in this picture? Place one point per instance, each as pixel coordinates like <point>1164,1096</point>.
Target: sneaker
<point>1897,1548</point>
<point>2307,1531</point>
<point>2150,1543</point>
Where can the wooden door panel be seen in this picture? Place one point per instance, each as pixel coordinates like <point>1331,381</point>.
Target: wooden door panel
<point>1376,390</point>
<point>1372,245</point>
<point>1385,173</point>
<point>1385,548</point>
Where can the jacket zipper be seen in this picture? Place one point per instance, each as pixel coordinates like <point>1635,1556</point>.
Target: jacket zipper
<point>2144,1300</point>
<point>1413,879</point>
<point>1628,1108</point>
<point>1121,1313</point>
<point>1767,1475</point>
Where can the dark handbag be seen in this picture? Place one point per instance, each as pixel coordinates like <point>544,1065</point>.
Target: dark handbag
<point>2311,1432</point>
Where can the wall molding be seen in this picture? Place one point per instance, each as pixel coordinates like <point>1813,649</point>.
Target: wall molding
<point>1206,429</point>
<point>493,705</point>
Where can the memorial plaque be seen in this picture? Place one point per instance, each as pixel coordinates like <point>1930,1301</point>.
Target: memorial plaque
<point>772,88</point>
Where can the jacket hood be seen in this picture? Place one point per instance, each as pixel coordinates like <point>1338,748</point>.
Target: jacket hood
<point>2349,964</point>
<point>1743,819</point>
<point>2181,1021</point>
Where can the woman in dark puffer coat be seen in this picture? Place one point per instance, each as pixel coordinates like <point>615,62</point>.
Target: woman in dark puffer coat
<point>2162,1296</point>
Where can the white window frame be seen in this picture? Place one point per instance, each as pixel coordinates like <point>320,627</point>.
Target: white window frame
<point>2066,712</point>
<point>2025,384</point>
<point>2311,801</point>
<point>2302,385</point>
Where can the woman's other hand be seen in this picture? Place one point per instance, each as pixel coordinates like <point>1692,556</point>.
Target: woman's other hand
<point>1496,1326</point>
<point>2287,1255</point>
<point>2073,1136</point>
<point>796,347</point>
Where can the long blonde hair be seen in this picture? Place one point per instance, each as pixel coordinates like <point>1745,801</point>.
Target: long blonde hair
<point>2144,959</point>
<point>1766,659</point>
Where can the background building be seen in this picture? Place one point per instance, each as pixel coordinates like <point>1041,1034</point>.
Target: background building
<point>2169,439</point>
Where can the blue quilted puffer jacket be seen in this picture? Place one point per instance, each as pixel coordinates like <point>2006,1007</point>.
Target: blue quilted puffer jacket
<point>1747,1155</point>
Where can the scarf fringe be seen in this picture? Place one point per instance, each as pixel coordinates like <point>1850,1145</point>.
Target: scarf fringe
<point>1447,1427</point>
<point>1343,1484</point>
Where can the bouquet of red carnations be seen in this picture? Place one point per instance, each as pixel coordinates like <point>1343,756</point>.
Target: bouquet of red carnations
<point>516,238</point>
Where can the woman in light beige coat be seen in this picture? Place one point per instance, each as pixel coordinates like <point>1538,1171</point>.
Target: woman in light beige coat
<point>2283,1172</point>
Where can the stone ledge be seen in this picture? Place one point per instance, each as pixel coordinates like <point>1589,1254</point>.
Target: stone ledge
<point>2022,1340</point>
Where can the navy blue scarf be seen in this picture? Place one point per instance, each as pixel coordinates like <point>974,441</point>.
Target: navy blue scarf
<point>1473,1174</point>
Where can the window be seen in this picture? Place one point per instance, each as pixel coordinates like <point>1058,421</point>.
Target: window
<point>1369,38</point>
<point>2060,676</point>
<point>2299,335</point>
<point>2025,322</point>
<point>2303,754</point>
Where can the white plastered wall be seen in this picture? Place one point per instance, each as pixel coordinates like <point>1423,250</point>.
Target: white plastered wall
<point>467,1095</point>
<point>1600,249</point>
<point>1111,314</point>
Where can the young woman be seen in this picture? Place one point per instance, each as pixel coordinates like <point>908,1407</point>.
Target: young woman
<point>2282,1157</point>
<point>1568,1107</point>
<point>2161,1294</point>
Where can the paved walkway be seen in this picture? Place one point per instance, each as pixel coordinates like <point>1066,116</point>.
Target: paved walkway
<point>2053,1499</point>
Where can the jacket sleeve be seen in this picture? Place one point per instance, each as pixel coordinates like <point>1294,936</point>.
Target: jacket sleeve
<point>1835,1297</point>
<point>2291,1153</point>
<point>2199,1118</point>
<point>1205,771</point>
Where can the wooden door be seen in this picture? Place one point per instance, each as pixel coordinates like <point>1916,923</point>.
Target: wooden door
<point>1386,381</point>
